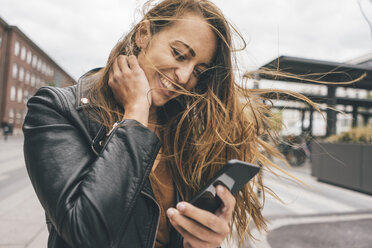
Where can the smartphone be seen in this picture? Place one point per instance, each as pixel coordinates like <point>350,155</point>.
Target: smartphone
<point>234,175</point>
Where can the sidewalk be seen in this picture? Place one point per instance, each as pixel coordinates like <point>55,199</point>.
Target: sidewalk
<point>21,215</point>
<point>22,221</point>
<point>341,231</point>
<point>315,215</point>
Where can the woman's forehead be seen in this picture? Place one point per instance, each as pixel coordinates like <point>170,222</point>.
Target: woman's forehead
<point>195,34</point>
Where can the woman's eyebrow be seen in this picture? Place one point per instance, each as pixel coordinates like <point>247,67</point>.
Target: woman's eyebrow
<point>192,52</point>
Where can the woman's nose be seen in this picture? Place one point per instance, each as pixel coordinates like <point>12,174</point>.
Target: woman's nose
<point>183,74</point>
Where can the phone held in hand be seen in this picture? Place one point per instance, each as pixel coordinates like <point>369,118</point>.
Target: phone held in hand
<point>234,175</point>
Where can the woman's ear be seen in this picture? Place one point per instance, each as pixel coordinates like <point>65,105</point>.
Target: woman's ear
<point>143,34</point>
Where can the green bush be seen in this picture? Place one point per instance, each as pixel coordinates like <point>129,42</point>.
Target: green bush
<point>355,135</point>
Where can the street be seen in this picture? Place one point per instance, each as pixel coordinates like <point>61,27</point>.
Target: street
<point>313,214</point>
<point>21,215</point>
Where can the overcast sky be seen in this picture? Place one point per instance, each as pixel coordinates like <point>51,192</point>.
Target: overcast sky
<point>79,34</point>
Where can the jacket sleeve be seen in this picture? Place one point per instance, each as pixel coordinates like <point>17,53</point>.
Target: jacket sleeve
<point>87,198</point>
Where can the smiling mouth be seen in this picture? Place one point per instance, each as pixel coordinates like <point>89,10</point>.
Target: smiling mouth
<point>167,85</point>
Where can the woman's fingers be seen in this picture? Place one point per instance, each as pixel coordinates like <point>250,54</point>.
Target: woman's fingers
<point>189,241</point>
<point>200,227</point>
<point>133,62</point>
<point>130,87</point>
<point>228,203</point>
<point>125,63</point>
<point>205,218</point>
<point>192,232</point>
<point>114,73</point>
<point>122,61</point>
<point>193,227</point>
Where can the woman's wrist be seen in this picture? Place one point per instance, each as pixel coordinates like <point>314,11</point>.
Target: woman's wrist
<point>139,114</point>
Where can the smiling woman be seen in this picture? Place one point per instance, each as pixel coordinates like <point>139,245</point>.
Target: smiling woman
<point>173,58</point>
<point>115,159</point>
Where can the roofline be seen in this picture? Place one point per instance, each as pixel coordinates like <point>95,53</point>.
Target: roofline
<point>361,59</point>
<point>310,71</point>
<point>34,46</point>
<point>319,62</point>
<point>4,23</point>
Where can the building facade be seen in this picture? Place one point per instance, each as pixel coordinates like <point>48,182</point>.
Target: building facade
<point>353,103</point>
<point>24,68</point>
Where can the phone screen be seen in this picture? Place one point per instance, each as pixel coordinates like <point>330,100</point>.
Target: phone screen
<point>209,200</point>
<point>234,175</point>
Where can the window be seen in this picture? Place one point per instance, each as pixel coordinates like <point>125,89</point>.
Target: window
<point>15,70</point>
<point>18,117</point>
<point>20,95</point>
<point>27,79</point>
<point>34,61</point>
<point>12,93</point>
<point>23,53</point>
<point>16,48</point>
<point>21,73</point>
<point>50,71</point>
<point>39,65</point>
<point>32,80</point>
<point>43,68</point>
<point>1,38</point>
<point>11,116</point>
<point>29,57</point>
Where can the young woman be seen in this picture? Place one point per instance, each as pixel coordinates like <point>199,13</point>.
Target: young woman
<point>115,159</point>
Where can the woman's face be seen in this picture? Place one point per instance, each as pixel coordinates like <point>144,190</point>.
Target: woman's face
<point>180,52</point>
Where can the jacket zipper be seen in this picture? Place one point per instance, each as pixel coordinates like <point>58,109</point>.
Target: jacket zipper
<point>113,128</point>
<point>109,134</point>
<point>104,142</point>
<point>157,223</point>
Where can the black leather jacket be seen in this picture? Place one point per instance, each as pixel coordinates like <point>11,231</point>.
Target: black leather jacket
<point>95,194</point>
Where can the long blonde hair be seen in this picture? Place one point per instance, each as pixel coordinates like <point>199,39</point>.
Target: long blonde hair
<point>201,130</point>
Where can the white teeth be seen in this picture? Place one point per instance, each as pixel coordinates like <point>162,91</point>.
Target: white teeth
<point>167,84</point>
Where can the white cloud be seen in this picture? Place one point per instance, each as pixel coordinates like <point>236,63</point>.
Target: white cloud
<point>79,34</point>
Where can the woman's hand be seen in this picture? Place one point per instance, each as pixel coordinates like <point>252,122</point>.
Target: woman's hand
<point>201,228</point>
<point>131,88</point>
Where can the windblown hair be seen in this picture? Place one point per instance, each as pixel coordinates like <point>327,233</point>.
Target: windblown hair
<point>202,129</point>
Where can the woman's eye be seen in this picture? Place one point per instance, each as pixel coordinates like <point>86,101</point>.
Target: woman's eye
<point>198,72</point>
<point>178,55</point>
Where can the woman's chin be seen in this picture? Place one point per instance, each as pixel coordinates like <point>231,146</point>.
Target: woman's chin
<point>158,102</point>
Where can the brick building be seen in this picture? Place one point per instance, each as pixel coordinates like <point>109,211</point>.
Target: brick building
<point>24,68</point>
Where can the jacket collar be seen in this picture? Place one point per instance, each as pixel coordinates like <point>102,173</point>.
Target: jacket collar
<point>84,84</point>
<point>82,106</point>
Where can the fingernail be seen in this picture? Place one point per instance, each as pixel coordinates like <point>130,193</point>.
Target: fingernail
<point>170,212</point>
<point>181,206</point>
